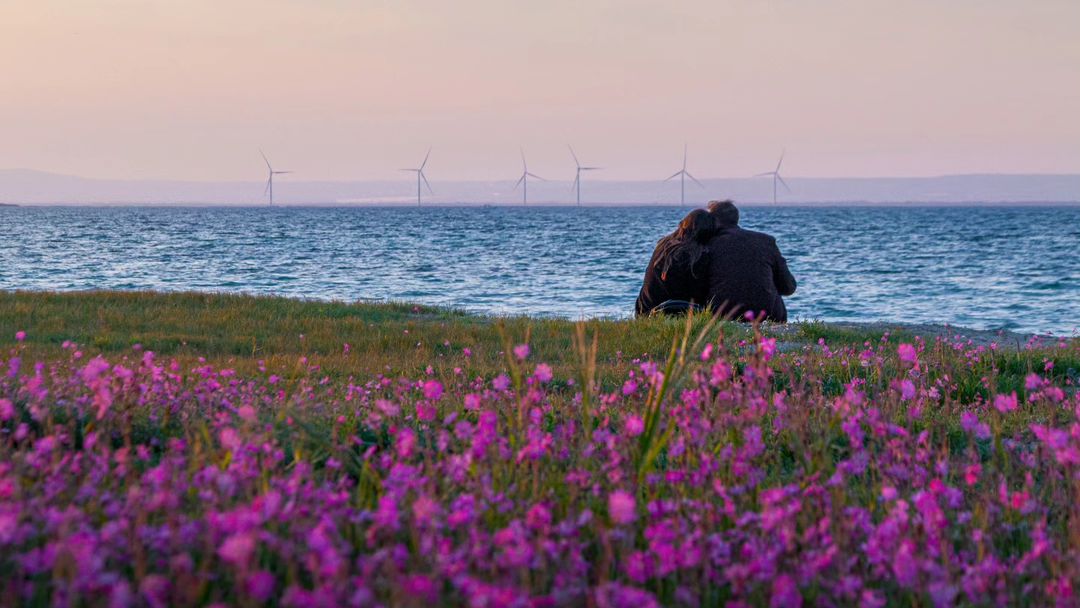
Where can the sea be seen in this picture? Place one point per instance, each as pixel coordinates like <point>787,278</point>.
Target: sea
<point>979,267</point>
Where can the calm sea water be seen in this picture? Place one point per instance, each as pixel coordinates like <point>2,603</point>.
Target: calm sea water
<point>985,268</point>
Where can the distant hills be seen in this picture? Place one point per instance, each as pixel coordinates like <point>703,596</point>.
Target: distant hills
<point>28,187</point>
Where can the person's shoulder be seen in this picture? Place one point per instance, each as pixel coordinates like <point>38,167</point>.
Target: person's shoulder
<point>757,236</point>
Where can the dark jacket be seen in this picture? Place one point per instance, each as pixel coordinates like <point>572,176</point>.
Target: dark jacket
<point>747,273</point>
<point>682,282</point>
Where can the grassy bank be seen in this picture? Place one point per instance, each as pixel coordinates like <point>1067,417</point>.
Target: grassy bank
<point>188,449</point>
<point>361,340</point>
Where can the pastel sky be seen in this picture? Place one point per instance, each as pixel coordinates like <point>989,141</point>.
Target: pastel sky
<point>355,89</point>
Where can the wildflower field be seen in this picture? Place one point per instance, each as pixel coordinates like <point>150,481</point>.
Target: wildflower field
<point>187,449</point>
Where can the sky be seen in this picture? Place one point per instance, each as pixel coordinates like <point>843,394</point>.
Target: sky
<point>357,89</point>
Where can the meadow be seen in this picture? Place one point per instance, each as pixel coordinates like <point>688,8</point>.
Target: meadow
<point>195,449</point>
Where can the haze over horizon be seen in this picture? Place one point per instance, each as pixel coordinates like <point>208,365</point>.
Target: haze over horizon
<point>123,89</point>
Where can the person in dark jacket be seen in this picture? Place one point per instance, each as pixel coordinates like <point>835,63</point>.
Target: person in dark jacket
<point>747,274</point>
<point>675,280</point>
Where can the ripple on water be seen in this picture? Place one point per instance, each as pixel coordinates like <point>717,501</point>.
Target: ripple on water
<point>905,264</point>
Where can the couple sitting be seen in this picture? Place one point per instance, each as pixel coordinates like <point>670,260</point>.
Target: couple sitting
<point>711,263</point>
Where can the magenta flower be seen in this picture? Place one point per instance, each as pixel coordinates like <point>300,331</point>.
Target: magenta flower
<point>907,390</point>
<point>20,336</point>
<point>521,351</point>
<point>907,353</point>
<point>543,372</point>
<point>634,425</point>
<point>237,549</point>
<point>785,593</point>
<point>7,410</point>
<point>1006,403</point>
<point>768,348</point>
<point>621,508</point>
<point>433,390</point>
<point>706,353</point>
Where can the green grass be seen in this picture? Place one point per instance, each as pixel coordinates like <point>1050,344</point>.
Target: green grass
<point>384,338</point>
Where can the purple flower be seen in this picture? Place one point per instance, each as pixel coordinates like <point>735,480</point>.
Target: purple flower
<point>785,593</point>
<point>634,425</point>
<point>908,354</point>
<point>433,390</point>
<point>1006,403</point>
<point>621,508</point>
<point>237,549</point>
<point>521,351</point>
<point>543,372</point>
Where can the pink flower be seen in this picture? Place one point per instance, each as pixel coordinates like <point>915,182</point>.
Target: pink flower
<point>433,390</point>
<point>768,348</point>
<point>629,387</point>
<point>472,402</point>
<point>1005,403</point>
<point>908,354</point>
<point>259,585</point>
<point>237,549</point>
<point>246,412</point>
<point>1033,382</point>
<point>467,352</point>
<point>621,507</point>
<point>7,410</point>
<point>406,443</point>
<point>543,372</point>
<point>229,438</point>
<point>521,351</point>
<point>501,383</point>
<point>785,593</point>
<point>905,566</point>
<point>706,352</point>
<point>907,390</point>
<point>971,474</point>
<point>634,426</point>
<point>20,336</point>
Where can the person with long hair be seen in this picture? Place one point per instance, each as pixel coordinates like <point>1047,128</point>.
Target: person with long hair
<point>677,275</point>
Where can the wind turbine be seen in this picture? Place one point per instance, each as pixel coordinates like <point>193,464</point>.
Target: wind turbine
<point>523,181</point>
<point>775,173</point>
<point>577,176</point>
<point>270,179</point>
<point>420,176</point>
<point>682,175</point>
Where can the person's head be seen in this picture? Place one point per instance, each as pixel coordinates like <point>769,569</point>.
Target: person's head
<point>686,244</point>
<point>724,213</point>
<point>697,226</point>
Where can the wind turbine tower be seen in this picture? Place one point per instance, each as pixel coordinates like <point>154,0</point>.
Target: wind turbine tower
<point>682,174</point>
<point>523,181</point>
<point>419,171</point>
<point>270,178</point>
<point>577,176</point>
<point>775,173</point>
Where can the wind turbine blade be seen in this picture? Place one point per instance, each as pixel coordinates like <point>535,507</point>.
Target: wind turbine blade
<point>763,174</point>
<point>781,161</point>
<point>430,191</point>
<point>684,157</point>
<point>267,188</point>
<point>535,176</point>
<point>783,182</point>
<point>281,172</point>
<point>695,180</point>
<point>674,175</point>
<point>408,170</point>
<point>426,156</point>
<point>520,179</point>
<point>574,185</point>
<point>591,168</point>
<point>266,160</point>
<point>523,164</point>
<point>576,161</point>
